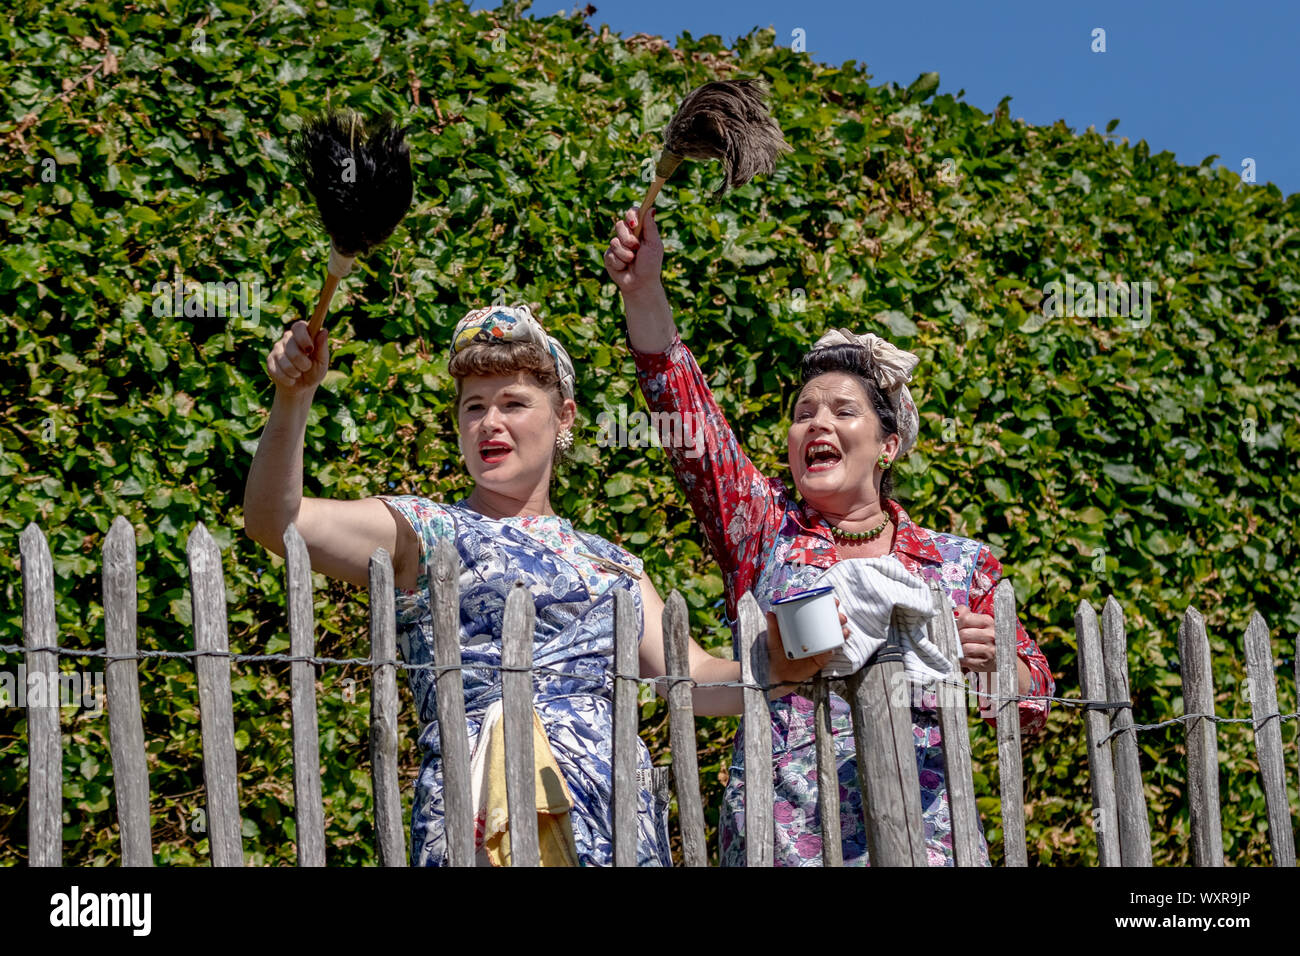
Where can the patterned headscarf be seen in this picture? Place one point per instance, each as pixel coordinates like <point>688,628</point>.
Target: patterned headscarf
<point>513,324</point>
<point>893,368</point>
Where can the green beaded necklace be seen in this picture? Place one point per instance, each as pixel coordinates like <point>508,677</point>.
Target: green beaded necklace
<point>859,535</point>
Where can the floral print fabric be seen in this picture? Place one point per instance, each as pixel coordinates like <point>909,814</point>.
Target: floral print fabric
<point>767,542</point>
<point>573,594</point>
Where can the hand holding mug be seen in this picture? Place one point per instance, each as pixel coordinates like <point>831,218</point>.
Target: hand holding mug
<point>781,669</point>
<point>978,640</point>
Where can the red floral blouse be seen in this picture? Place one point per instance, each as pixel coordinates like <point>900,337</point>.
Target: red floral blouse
<point>767,542</point>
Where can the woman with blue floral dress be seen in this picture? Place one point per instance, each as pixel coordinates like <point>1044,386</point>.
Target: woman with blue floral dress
<point>853,418</point>
<point>515,410</point>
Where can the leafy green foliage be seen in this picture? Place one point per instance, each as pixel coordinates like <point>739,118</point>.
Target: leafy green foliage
<point>1154,463</point>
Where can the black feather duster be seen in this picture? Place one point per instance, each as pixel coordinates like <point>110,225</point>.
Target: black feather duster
<point>726,120</point>
<point>359,173</point>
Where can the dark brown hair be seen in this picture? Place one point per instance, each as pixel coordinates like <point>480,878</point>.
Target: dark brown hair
<point>506,358</point>
<point>856,361</point>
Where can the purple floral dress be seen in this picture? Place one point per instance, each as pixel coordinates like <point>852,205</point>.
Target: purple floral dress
<point>769,543</point>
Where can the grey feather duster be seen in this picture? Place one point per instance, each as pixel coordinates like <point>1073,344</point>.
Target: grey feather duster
<point>726,120</point>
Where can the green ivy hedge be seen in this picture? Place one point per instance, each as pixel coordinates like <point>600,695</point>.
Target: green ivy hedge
<point>1151,460</point>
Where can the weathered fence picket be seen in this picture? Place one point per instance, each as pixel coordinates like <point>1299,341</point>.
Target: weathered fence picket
<point>1202,741</point>
<point>828,775</point>
<point>681,716</point>
<point>886,751</point>
<point>1130,800</point>
<point>1101,768</point>
<point>122,684</point>
<point>383,713</point>
<point>627,632</point>
<point>44,738</point>
<point>449,687</point>
<point>757,730</point>
<point>216,709</point>
<point>954,726</point>
<point>517,723</point>
<point>1010,771</point>
<point>1268,739</point>
<point>309,814</point>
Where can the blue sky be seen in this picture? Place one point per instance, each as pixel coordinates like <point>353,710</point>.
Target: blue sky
<point>1194,78</point>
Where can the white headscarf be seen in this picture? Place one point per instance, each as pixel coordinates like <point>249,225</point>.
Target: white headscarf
<point>893,370</point>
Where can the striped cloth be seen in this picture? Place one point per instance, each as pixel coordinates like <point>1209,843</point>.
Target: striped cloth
<point>869,589</point>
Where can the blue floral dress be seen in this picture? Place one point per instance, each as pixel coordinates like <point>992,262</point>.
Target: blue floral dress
<point>574,634</point>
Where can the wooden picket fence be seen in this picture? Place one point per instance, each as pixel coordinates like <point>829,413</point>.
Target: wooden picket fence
<point>878,697</point>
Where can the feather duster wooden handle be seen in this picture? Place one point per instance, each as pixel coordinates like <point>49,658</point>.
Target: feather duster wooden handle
<point>668,163</point>
<point>726,120</point>
<point>339,266</point>
<point>359,174</point>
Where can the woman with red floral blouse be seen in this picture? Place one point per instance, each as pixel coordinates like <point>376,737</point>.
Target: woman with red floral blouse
<point>852,420</point>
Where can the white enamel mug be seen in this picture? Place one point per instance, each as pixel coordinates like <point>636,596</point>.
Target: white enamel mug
<point>809,623</point>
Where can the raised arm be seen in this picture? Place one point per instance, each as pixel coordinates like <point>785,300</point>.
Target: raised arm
<point>735,505</point>
<point>635,266</point>
<point>340,535</point>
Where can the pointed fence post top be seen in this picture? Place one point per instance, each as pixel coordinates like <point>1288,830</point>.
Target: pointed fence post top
<point>199,538</point>
<point>1193,645</point>
<point>1004,596</point>
<point>753,643</point>
<point>292,538</point>
<point>1258,624</point>
<point>202,551</point>
<point>1258,647</point>
<point>121,525</point>
<point>675,609</point>
<point>748,606</point>
<point>32,541</point>
<point>626,626</point>
<point>120,539</point>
